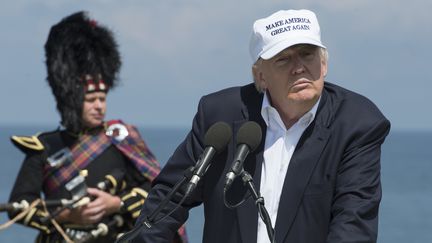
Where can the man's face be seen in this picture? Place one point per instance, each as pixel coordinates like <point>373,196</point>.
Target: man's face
<point>94,109</point>
<point>295,76</point>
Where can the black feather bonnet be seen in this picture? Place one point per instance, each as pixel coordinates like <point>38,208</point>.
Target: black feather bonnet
<point>78,48</point>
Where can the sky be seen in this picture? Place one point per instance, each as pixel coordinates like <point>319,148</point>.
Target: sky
<point>174,52</point>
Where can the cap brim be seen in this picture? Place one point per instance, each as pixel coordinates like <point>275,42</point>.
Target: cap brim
<point>282,45</point>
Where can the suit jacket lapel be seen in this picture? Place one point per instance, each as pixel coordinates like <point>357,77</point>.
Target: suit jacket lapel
<point>301,167</point>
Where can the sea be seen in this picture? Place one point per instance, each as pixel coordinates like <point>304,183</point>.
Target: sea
<point>406,206</point>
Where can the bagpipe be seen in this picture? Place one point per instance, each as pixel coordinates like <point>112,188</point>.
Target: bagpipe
<point>79,197</point>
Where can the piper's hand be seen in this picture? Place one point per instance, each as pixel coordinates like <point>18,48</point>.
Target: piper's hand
<point>102,205</point>
<point>104,201</point>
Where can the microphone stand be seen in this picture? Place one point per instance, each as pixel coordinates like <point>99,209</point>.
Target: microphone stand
<point>259,201</point>
<point>152,217</point>
<point>150,220</point>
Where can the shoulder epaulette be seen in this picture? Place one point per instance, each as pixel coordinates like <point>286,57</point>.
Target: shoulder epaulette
<point>28,143</point>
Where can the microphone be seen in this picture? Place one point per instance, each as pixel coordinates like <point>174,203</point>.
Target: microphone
<point>215,140</point>
<point>248,138</point>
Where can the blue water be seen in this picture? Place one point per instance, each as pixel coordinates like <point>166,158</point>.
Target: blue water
<point>406,207</point>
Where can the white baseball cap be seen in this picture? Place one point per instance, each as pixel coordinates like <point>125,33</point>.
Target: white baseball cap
<point>281,30</point>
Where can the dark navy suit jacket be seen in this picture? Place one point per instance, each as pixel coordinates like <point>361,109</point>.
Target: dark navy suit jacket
<point>332,188</point>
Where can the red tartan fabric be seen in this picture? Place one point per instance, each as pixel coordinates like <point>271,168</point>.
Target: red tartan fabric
<point>83,152</point>
<point>90,147</point>
<point>182,234</point>
<point>134,147</point>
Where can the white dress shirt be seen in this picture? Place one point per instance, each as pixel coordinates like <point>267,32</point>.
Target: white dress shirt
<point>279,147</point>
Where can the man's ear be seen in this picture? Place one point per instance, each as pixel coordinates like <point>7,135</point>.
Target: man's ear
<point>258,77</point>
<point>324,68</point>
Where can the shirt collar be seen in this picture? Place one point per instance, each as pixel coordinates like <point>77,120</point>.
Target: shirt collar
<point>270,114</point>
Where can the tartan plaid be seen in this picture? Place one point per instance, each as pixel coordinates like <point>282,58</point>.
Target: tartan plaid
<point>134,147</point>
<point>83,152</point>
<point>182,233</point>
<point>89,147</point>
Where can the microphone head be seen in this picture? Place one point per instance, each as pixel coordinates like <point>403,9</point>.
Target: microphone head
<point>218,136</point>
<point>249,134</point>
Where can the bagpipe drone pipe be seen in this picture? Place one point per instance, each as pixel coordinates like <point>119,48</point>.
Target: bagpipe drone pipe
<point>79,197</point>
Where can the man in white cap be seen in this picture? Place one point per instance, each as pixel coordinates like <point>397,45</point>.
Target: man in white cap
<point>317,166</point>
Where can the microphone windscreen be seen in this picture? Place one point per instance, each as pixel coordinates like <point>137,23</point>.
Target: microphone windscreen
<point>249,134</point>
<point>218,136</point>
